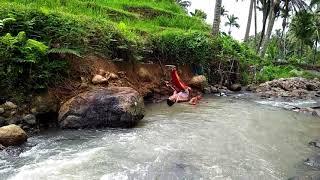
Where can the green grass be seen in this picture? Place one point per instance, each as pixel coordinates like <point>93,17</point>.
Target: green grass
<point>125,22</point>
<point>160,14</point>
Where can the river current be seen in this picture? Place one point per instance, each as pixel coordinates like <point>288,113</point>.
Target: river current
<point>220,138</point>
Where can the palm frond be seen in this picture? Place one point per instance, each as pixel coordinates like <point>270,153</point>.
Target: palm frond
<point>64,51</point>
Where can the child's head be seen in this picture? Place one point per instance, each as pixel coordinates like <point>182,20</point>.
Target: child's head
<point>170,102</point>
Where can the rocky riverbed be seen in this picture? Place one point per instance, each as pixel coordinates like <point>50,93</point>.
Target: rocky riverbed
<point>293,88</point>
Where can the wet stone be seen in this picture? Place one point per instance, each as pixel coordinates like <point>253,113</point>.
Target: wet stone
<point>313,161</point>
<point>315,143</point>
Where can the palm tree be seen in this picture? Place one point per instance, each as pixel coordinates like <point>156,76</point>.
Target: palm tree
<point>232,22</point>
<point>246,36</point>
<point>315,3</point>
<point>316,25</point>
<point>271,10</point>
<point>199,13</point>
<point>184,4</point>
<point>274,10</point>
<point>217,18</point>
<point>302,27</point>
<point>224,12</point>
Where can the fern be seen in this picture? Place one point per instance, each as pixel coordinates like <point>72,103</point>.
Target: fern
<point>64,51</point>
<point>6,20</point>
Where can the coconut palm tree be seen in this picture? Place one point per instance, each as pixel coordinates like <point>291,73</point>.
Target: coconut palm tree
<point>271,10</point>
<point>246,36</point>
<point>199,13</point>
<point>184,4</point>
<point>273,13</point>
<point>224,12</point>
<point>302,27</point>
<point>232,22</point>
<point>217,18</point>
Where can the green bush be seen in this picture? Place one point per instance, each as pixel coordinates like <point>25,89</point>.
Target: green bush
<point>268,73</point>
<point>184,47</point>
<point>25,66</point>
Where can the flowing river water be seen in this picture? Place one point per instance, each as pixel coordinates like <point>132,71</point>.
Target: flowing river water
<point>221,138</point>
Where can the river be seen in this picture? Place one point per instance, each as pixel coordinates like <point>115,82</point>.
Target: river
<point>221,138</point>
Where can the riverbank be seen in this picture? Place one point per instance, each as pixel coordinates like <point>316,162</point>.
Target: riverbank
<point>148,79</point>
<point>41,110</point>
<point>58,106</point>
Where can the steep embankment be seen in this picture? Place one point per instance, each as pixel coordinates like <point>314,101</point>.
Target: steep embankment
<point>147,78</point>
<point>52,50</point>
<point>38,39</point>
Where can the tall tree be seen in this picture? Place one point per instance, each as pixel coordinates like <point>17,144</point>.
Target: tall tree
<point>255,22</point>
<point>274,10</point>
<point>302,27</point>
<point>265,8</point>
<point>249,21</point>
<point>232,22</point>
<point>272,7</point>
<point>217,18</point>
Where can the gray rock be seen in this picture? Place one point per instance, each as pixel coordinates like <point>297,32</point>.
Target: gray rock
<point>309,176</point>
<point>2,121</point>
<point>235,87</point>
<point>30,119</point>
<point>214,89</point>
<point>251,87</point>
<point>207,90</point>
<point>9,105</point>
<point>2,147</point>
<point>299,88</point>
<point>103,107</point>
<point>313,161</point>
<point>311,87</point>
<point>14,120</point>
<point>1,110</point>
<point>315,143</point>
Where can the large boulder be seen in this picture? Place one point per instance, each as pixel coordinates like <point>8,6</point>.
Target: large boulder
<point>103,107</point>
<point>12,135</point>
<point>198,82</point>
<point>235,87</point>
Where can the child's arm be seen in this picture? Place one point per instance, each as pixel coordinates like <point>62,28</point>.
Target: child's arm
<point>169,85</point>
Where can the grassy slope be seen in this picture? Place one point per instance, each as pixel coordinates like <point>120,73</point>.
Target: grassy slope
<point>118,29</point>
<point>136,18</point>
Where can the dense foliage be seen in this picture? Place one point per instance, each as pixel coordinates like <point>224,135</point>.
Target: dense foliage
<point>139,30</point>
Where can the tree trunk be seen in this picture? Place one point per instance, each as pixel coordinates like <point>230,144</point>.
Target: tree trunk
<point>246,37</point>
<point>217,18</point>
<point>315,51</point>
<point>255,21</point>
<point>272,18</point>
<point>284,24</point>
<point>266,8</point>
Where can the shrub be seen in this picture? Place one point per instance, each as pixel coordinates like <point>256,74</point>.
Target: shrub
<point>24,64</point>
<point>184,47</point>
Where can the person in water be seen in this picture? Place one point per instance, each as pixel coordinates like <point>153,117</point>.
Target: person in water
<point>181,95</point>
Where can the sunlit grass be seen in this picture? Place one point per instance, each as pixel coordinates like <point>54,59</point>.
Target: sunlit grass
<point>150,16</point>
